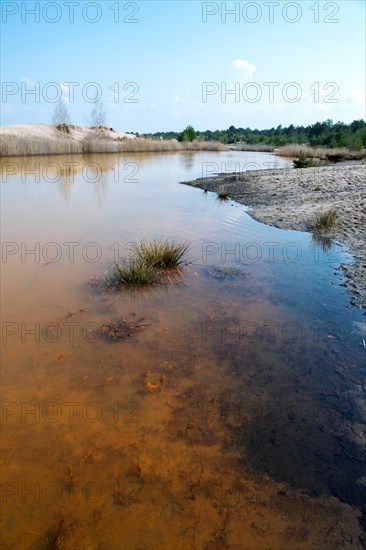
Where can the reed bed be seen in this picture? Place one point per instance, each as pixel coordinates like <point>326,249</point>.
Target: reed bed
<point>259,147</point>
<point>14,146</point>
<point>323,153</point>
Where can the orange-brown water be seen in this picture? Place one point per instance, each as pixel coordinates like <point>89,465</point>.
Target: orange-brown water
<point>235,419</point>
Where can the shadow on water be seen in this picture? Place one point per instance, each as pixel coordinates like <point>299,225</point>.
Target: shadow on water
<point>299,406</point>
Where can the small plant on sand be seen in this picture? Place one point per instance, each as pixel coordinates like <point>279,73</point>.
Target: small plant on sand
<point>303,161</point>
<point>222,193</point>
<point>325,221</point>
<point>150,264</point>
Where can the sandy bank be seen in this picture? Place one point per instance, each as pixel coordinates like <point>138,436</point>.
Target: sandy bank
<point>77,133</point>
<point>289,199</point>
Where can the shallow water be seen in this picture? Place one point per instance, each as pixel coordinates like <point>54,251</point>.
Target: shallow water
<point>259,371</point>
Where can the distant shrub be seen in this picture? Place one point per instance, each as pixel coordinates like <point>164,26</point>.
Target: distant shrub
<point>189,134</point>
<point>64,128</point>
<point>304,162</point>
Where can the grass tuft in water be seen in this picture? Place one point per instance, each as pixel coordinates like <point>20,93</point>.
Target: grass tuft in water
<point>164,254</point>
<point>325,221</point>
<point>150,264</point>
<point>222,193</point>
<point>129,273</point>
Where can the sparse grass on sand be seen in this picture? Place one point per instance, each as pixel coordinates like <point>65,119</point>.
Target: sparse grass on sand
<point>222,193</point>
<point>322,153</point>
<point>325,221</point>
<point>150,263</point>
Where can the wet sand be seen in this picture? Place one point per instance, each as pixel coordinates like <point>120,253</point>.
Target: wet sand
<point>290,199</point>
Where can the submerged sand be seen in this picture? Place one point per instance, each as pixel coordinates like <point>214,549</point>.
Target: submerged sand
<point>290,199</point>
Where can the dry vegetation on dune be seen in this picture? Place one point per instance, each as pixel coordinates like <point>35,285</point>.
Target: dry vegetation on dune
<point>322,153</point>
<point>63,143</point>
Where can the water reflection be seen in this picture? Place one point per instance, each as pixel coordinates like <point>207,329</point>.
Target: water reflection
<point>325,243</point>
<point>187,160</point>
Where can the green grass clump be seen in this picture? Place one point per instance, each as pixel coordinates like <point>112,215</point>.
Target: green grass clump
<point>162,254</point>
<point>150,263</point>
<point>304,162</point>
<point>222,193</point>
<point>325,221</point>
<point>130,273</point>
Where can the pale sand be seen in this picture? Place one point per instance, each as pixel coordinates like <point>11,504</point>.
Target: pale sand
<point>78,133</point>
<point>289,199</point>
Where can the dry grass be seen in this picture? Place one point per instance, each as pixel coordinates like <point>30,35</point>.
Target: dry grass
<point>323,153</point>
<point>325,221</point>
<point>260,147</point>
<point>12,146</point>
<point>222,193</point>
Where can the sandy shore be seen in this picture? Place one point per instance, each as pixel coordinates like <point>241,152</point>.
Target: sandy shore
<point>289,199</point>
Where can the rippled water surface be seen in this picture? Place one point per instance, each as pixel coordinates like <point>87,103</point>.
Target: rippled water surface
<point>234,419</point>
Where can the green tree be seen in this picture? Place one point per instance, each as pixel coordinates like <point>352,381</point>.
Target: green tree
<point>189,134</point>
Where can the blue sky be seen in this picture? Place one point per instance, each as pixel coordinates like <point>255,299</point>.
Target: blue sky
<point>164,65</point>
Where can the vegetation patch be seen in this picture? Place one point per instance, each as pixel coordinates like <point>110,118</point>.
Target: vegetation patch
<point>152,262</point>
<point>63,128</point>
<point>222,193</point>
<point>304,162</point>
<point>325,221</point>
<point>164,254</point>
<point>323,135</point>
<point>335,154</point>
<point>130,273</point>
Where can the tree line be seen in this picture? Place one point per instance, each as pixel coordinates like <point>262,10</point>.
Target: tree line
<point>323,134</point>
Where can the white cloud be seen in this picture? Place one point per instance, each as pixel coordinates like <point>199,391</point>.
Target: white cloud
<point>246,68</point>
<point>28,80</point>
<point>179,99</point>
<point>358,96</point>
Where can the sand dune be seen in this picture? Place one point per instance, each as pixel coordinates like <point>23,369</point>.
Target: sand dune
<point>77,133</point>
